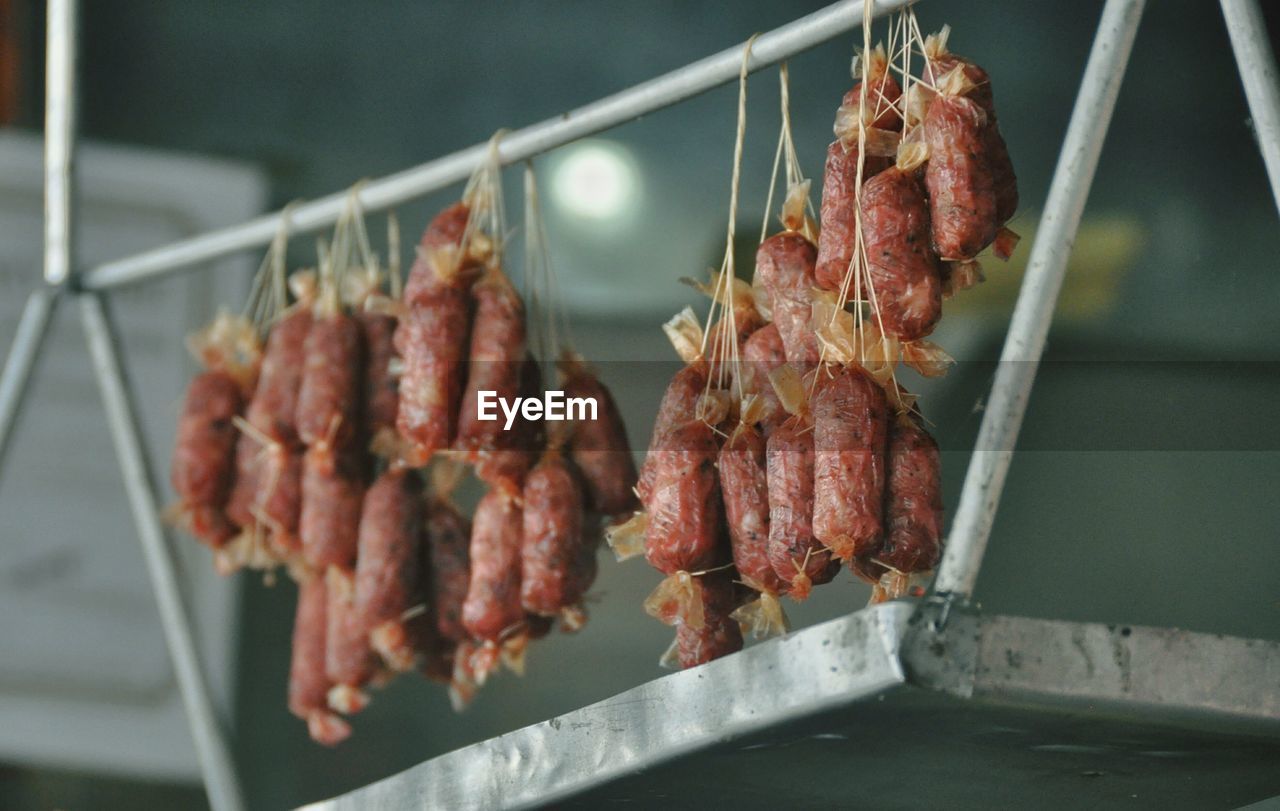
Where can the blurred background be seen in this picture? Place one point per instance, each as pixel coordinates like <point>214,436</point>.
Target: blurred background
<point>1144,487</point>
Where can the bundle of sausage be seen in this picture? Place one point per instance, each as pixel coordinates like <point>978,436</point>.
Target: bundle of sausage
<point>773,464</point>
<point>354,390</point>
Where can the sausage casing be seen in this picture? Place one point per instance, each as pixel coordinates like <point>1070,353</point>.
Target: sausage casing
<point>785,266</point>
<point>329,524</point>
<point>389,559</point>
<point>449,564</point>
<point>744,484</point>
<point>838,238</point>
<point>332,383</point>
<point>600,450</point>
<point>904,272</point>
<point>552,539</point>
<point>913,501</point>
<point>850,413</point>
<point>719,634</point>
<point>797,557</point>
<point>962,201</point>
<point>204,454</point>
<point>273,409</point>
<point>496,359</point>
<point>493,595</point>
<point>432,340</point>
<point>684,506</point>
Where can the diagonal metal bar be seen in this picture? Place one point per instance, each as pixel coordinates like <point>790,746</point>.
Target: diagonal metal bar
<point>1248,32</point>
<point>221,782</point>
<point>60,140</point>
<point>33,326</point>
<point>1029,326</point>
<point>664,91</point>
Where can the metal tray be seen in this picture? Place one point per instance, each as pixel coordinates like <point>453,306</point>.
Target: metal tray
<point>880,709</point>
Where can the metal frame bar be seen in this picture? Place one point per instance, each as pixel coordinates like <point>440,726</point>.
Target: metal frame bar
<point>33,326</point>
<point>655,94</point>
<point>212,750</point>
<point>1029,326</point>
<point>1249,40</point>
<point>61,54</point>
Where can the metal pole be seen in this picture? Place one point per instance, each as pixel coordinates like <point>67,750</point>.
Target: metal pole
<point>220,780</point>
<point>1248,31</point>
<point>60,141</point>
<point>1029,326</point>
<point>32,328</point>
<point>664,91</point>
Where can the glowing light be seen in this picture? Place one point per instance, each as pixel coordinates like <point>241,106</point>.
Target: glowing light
<point>596,179</point>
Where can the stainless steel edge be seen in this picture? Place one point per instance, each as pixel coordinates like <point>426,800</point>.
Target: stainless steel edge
<point>829,665</point>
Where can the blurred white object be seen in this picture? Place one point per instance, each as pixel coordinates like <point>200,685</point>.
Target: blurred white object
<point>84,678</point>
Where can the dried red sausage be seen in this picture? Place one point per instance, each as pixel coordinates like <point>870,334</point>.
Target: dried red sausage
<point>552,538</point>
<point>432,340</point>
<point>449,564</point>
<point>496,358</point>
<point>381,387</point>
<point>204,455</point>
<point>348,659</point>
<point>329,524</point>
<point>745,486</point>
<point>684,506</point>
<point>308,684</point>
<point>962,201</point>
<point>244,488</point>
<point>332,385</point>
<point>273,409</point>
<point>905,278</point>
<point>762,354</point>
<point>838,238</point>
<point>427,276</point>
<point>719,634</point>
<point>389,559</point>
<point>493,605</point>
<point>784,266</point>
<point>850,413</point>
<point>679,405</point>
<point>504,464</point>
<point>797,557</point>
<point>913,501</point>
<point>599,447</point>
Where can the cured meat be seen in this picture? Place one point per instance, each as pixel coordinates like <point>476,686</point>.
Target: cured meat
<point>762,353</point>
<point>308,684</point>
<point>719,634</point>
<point>389,564</point>
<point>784,266</point>
<point>432,340</point>
<point>838,238</point>
<point>504,464</point>
<point>332,385</point>
<point>679,405</point>
<point>330,520</point>
<point>1004,181</point>
<point>274,406</point>
<point>850,413</point>
<point>745,486</point>
<point>493,607</point>
<point>381,387</point>
<point>348,660</point>
<point>683,533</point>
<point>913,501</point>
<point>797,557</point>
<point>204,455</point>
<point>497,356</point>
<point>599,447</point>
<point>244,488</point>
<point>439,263</point>
<point>905,278</point>
<point>962,202</point>
<point>279,502</point>
<point>449,565</point>
<point>552,540</point>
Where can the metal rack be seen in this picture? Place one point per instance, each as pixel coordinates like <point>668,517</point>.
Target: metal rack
<point>935,645</point>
